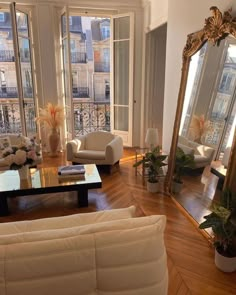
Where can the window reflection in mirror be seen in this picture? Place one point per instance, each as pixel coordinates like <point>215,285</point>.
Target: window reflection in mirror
<point>207,123</point>
<point>209,109</point>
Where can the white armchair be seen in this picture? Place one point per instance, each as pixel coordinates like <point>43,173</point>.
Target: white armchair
<point>99,147</point>
<point>203,155</point>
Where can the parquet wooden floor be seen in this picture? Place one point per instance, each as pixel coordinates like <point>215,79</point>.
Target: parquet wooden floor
<point>190,256</point>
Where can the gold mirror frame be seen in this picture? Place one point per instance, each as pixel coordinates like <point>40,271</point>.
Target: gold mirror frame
<point>216,28</point>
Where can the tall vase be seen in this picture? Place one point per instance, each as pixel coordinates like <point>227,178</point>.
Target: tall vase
<point>24,172</point>
<point>53,140</point>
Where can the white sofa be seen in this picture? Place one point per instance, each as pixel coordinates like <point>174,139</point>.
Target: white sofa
<point>15,140</point>
<point>99,147</point>
<point>108,252</point>
<point>203,155</point>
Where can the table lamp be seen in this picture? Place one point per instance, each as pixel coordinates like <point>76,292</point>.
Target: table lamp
<point>152,138</point>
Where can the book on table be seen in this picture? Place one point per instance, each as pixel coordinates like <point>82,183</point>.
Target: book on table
<point>71,170</point>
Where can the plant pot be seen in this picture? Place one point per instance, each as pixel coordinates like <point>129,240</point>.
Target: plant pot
<point>225,264</point>
<point>53,140</point>
<point>152,187</point>
<point>176,187</point>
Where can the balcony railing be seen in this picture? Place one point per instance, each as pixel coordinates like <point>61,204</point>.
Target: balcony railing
<point>90,116</point>
<point>80,92</point>
<point>6,56</point>
<point>103,67</point>
<point>78,57</point>
<point>10,117</point>
<point>11,92</point>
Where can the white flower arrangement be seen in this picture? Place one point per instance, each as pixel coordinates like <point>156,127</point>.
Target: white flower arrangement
<point>23,154</point>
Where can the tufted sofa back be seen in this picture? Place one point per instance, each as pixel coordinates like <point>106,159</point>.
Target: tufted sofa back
<point>121,257</point>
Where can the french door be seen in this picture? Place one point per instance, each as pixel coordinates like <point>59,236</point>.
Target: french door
<point>67,72</point>
<point>122,70</point>
<point>98,85</point>
<point>22,58</point>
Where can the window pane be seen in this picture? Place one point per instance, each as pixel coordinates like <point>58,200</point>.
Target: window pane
<point>121,73</point>
<point>121,118</point>
<point>121,28</point>
<point>22,24</point>
<point>9,101</point>
<point>24,48</point>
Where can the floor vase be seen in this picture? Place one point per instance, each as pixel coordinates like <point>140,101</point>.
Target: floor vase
<point>53,140</point>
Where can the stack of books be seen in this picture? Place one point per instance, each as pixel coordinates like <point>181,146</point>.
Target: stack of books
<point>71,172</point>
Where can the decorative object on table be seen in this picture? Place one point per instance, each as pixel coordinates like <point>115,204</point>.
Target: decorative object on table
<point>20,157</point>
<point>222,221</point>
<point>198,128</point>
<point>71,172</point>
<point>154,161</point>
<point>53,116</point>
<point>182,161</point>
<point>152,138</point>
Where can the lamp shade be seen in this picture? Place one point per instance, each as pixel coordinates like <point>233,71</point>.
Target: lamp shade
<point>152,138</point>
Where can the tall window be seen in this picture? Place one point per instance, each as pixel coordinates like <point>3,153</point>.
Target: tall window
<point>86,48</point>
<point>16,89</point>
<point>90,73</point>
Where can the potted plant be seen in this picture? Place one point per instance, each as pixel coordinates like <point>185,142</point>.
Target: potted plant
<point>153,161</point>
<point>222,221</point>
<point>182,161</point>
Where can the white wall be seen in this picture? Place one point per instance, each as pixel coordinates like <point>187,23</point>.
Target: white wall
<point>156,13</point>
<point>184,17</point>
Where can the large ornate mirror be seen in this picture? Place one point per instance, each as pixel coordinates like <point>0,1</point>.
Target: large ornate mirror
<point>205,120</point>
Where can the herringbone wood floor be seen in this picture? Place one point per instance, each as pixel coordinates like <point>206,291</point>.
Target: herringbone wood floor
<point>190,256</point>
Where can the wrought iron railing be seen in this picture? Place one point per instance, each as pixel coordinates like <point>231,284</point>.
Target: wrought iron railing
<point>102,67</point>
<point>88,117</point>
<point>10,116</point>
<point>80,92</point>
<point>7,56</point>
<point>91,116</point>
<point>78,57</point>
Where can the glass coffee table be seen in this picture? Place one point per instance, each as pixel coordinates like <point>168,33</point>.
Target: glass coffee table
<point>45,181</point>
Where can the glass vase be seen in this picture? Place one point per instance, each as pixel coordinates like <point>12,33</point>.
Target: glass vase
<point>24,172</point>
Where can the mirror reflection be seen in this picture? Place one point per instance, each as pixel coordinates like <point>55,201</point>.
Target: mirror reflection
<point>207,127</point>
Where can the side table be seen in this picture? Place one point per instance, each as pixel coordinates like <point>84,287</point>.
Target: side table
<point>139,155</point>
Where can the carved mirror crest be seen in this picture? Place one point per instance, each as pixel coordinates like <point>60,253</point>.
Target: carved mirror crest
<point>216,40</point>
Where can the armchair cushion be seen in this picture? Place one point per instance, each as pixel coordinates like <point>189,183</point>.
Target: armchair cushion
<point>93,155</point>
<point>99,147</point>
<point>203,154</point>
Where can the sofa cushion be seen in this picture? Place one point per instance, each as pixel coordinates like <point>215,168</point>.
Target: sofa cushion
<point>10,228</point>
<point>92,155</point>
<point>123,257</point>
